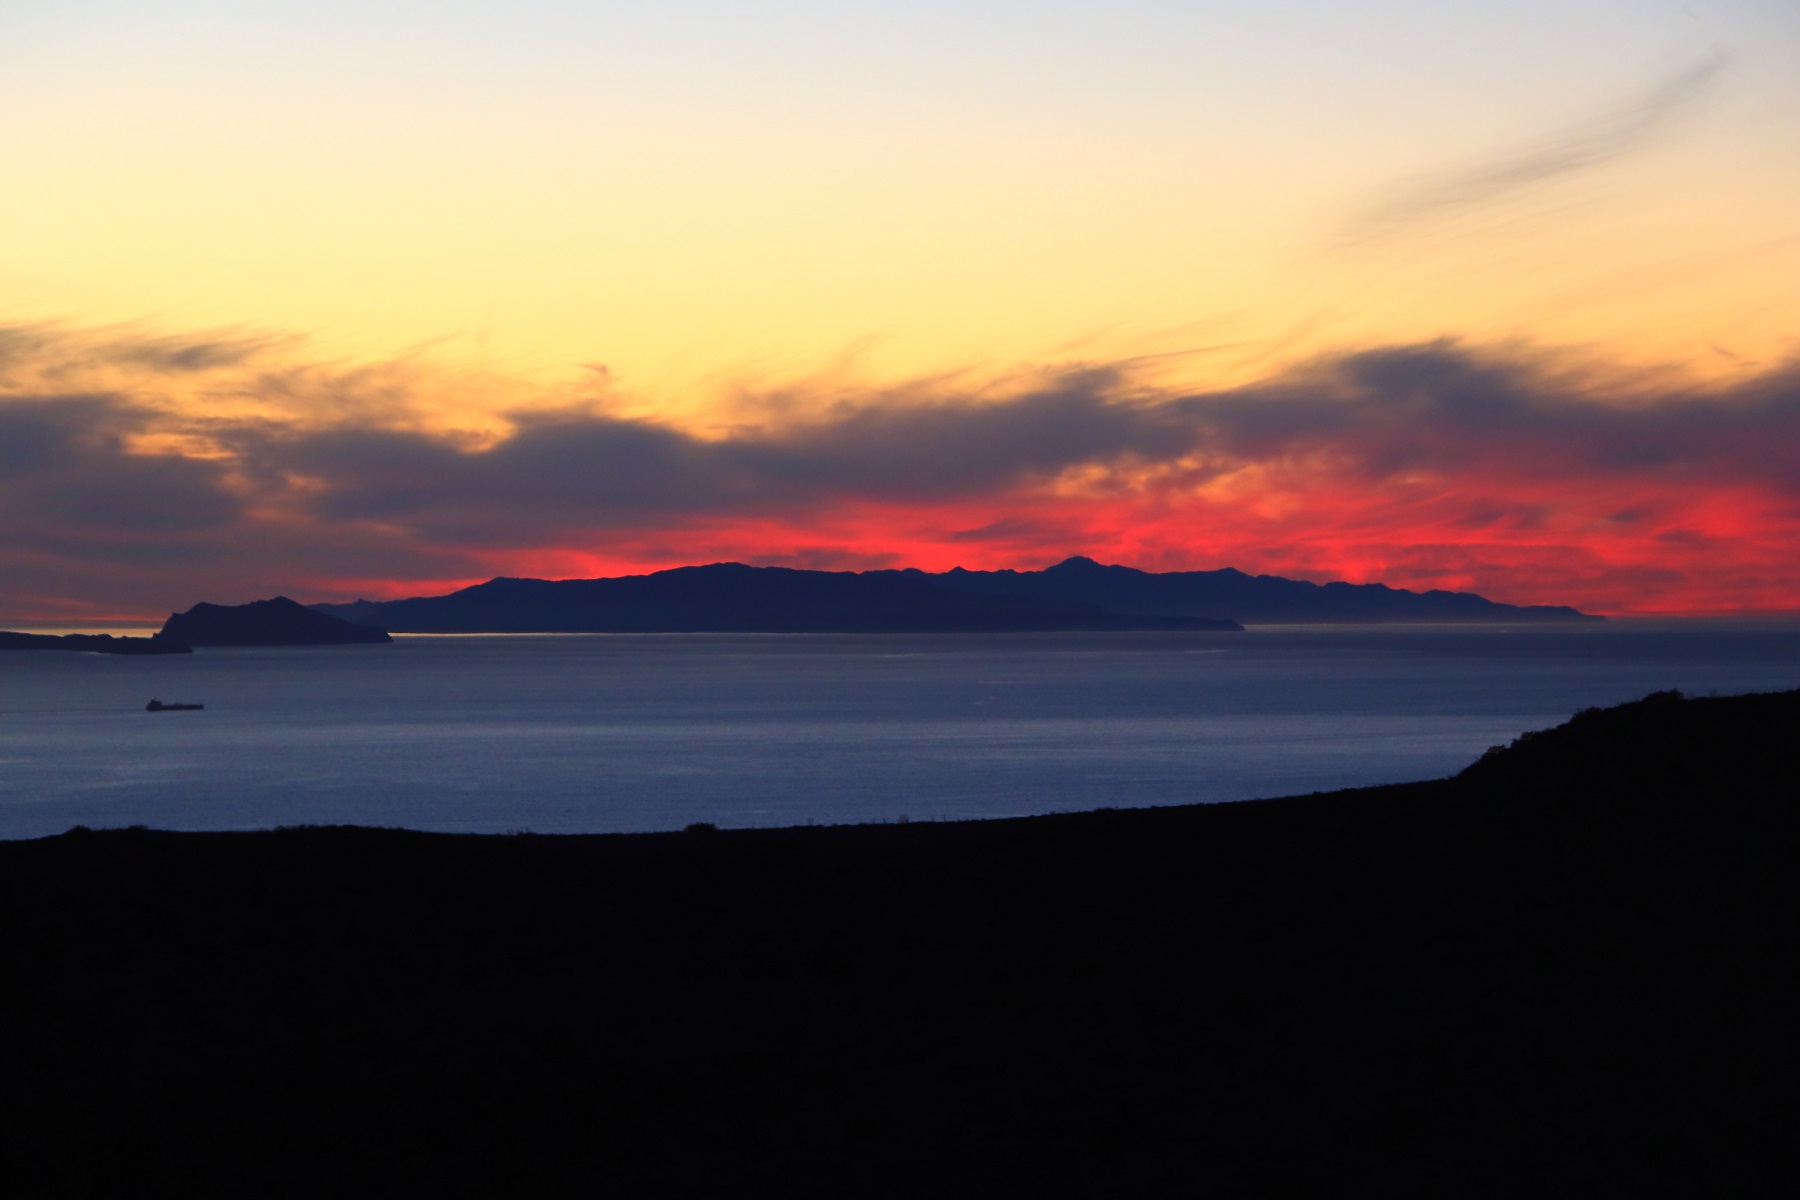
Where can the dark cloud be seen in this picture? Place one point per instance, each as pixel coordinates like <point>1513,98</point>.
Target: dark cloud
<point>45,434</point>
<point>128,493</point>
<point>71,488</point>
<point>951,448</point>
<point>1440,407</point>
<point>600,468</point>
<point>1370,417</point>
<point>181,502</point>
<point>1020,531</point>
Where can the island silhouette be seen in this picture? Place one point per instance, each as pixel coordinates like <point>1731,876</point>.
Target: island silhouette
<point>1077,594</point>
<point>734,598</point>
<point>94,643</point>
<point>1563,971</point>
<point>276,622</point>
<point>1253,599</point>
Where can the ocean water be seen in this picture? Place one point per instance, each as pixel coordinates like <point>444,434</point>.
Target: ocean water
<point>598,733</point>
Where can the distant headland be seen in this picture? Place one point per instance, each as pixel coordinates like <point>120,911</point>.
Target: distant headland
<point>1078,594</point>
<point>277,622</point>
<point>94,643</point>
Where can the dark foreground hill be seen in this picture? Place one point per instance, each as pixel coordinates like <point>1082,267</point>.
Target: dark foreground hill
<point>1566,971</point>
<point>277,622</point>
<point>1253,599</point>
<point>734,598</point>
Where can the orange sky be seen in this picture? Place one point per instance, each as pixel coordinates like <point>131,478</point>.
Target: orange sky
<point>336,300</point>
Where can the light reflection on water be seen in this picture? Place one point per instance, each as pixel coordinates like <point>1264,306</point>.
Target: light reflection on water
<point>600,733</point>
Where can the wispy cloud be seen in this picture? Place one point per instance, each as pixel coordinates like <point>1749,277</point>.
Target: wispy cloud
<point>1576,149</point>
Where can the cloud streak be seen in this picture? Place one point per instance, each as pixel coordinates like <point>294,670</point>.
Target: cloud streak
<point>1568,152</point>
<point>1527,475</point>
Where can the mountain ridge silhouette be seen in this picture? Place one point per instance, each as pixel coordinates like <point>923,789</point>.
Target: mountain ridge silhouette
<point>1075,594</point>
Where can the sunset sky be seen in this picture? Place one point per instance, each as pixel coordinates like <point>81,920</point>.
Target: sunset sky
<point>337,299</point>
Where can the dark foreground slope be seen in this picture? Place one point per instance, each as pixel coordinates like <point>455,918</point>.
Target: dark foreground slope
<point>1565,972</point>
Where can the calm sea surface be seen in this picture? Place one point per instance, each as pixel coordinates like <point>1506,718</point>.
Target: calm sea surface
<point>602,733</point>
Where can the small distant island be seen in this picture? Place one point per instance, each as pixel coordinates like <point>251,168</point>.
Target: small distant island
<point>277,622</point>
<point>94,643</point>
<point>1078,594</point>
